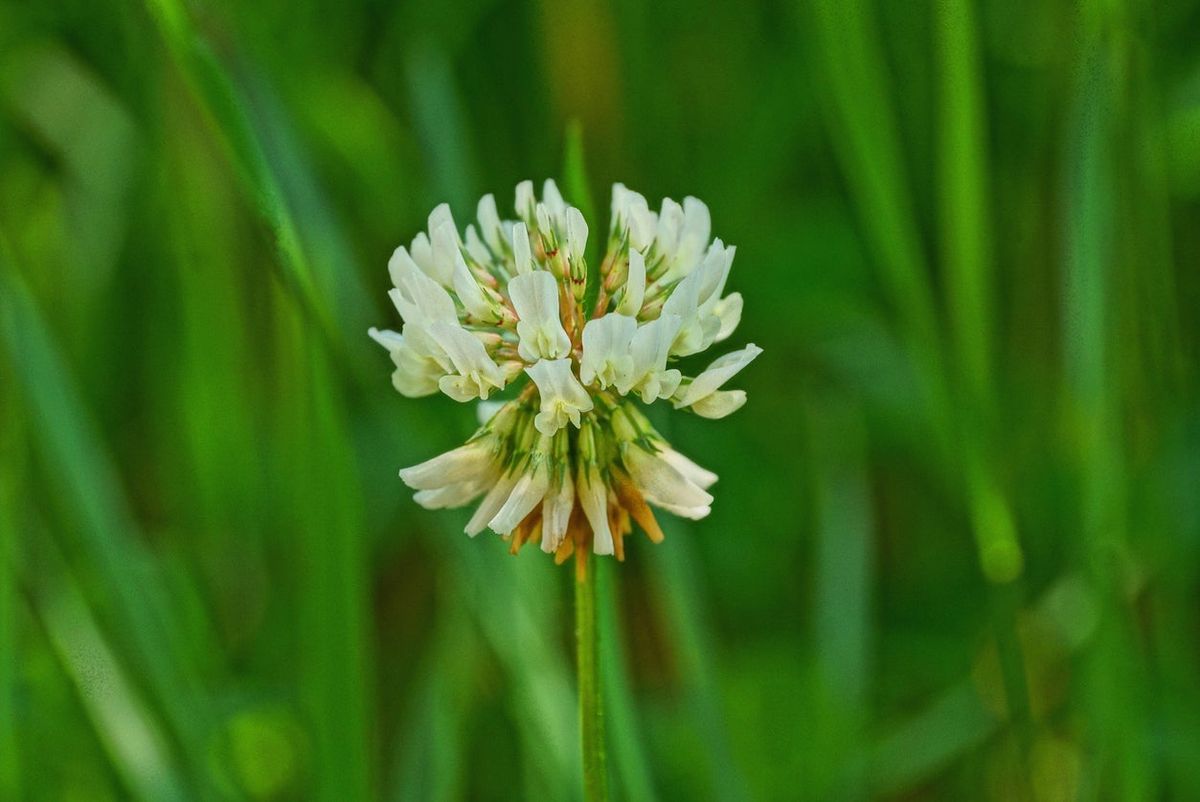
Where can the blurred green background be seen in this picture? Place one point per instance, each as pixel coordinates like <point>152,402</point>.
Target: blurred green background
<point>954,553</point>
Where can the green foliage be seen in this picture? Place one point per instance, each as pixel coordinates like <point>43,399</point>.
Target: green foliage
<point>955,550</point>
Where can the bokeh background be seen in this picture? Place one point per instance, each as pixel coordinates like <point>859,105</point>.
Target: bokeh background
<point>955,552</point>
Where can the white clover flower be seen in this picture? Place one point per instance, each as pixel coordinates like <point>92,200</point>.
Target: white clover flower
<point>568,459</point>
<point>704,394</point>
<point>539,328</point>
<point>415,375</point>
<point>563,398</point>
<point>606,350</point>
<point>649,350</point>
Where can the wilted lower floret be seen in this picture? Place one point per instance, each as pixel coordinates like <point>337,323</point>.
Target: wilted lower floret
<point>570,461</point>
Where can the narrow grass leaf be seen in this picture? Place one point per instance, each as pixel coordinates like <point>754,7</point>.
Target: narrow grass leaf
<point>322,505</point>
<point>105,530</point>
<point>12,446</point>
<point>844,567</point>
<point>430,760</point>
<point>1116,695</point>
<point>126,726</point>
<point>963,184</point>
<point>676,584</point>
<point>221,98</point>
<point>441,123</point>
<point>629,764</point>
<point>866,140</point>
<point>509,604</point>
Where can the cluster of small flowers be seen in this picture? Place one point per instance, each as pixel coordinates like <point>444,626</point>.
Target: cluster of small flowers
<point>570,460</point>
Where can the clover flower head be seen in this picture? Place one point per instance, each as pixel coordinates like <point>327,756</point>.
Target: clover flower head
<point>569,461</point>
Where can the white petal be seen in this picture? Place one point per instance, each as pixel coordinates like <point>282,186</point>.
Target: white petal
<point>606,356</point>
<point>417,337</point>
<point>526,494</point>
<point>422,252</point>
<point>631,213</point>
<point>478,374</point>
<point>670,226</point>
<point>593,497</point>
<point>697,225</point>
<point>491,504</point>
<point>461,388</point>
<point>693,513</point>
<point>652,340</point>
<point>551,375</point>
<point>619,210</point>
<point>716,374</point>
<point>659,481</point>
<point>635,285</point>
<point>553,199</point>
<point>563,399</point>
<point>450,496</point>
<point>445,249</point>
<point>400,265</point>
<point>535,299</point>
<point>416,313</point>
<point>489,222</point>
<point>476,247</point>
<point>729,312</point>
<point>524,201</point>
<point>465,351</point>
<point>415,375</point>
<point>670,380</point>
<point>684,302</point>
<point>701,477</point>
<point>386,337</point>
<point>552,418</point>
<point>642,224</point>
<point>466,463</point>
<point>520,246</point>
<point>440,216</point>
<point>715,270</point>
<point>649,349</point>
<point>546,221</point>
<point>719,404</point>
<point>534,296</point>
<point>660,384</point>
<point>418,298</point>
<point>577,233</point>
<point>469,292</point>
<point>556,510</point>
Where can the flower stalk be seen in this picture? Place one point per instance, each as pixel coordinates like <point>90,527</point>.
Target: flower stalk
<point>591,697</point>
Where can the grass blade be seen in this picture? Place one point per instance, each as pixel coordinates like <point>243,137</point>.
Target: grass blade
<point>323,507</point>
<point>225,102</point>
<point>429,766</point>
<point>675,582</point>
<point>105,532</point>
<point>635,780</point>
<point>1115,693</point>
<point>844,566</point>
<point>441,124</point>
<point>867,143</point>
<point>520,626</point>
<point>314,437</point>
<point>12,447</point>
<point>963,193</point>
<point>135,743</point>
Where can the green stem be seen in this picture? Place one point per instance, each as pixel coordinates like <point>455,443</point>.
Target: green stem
<point>591,705</point>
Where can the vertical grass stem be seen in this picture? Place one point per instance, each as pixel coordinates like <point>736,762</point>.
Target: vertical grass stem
<point>591,704</point>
